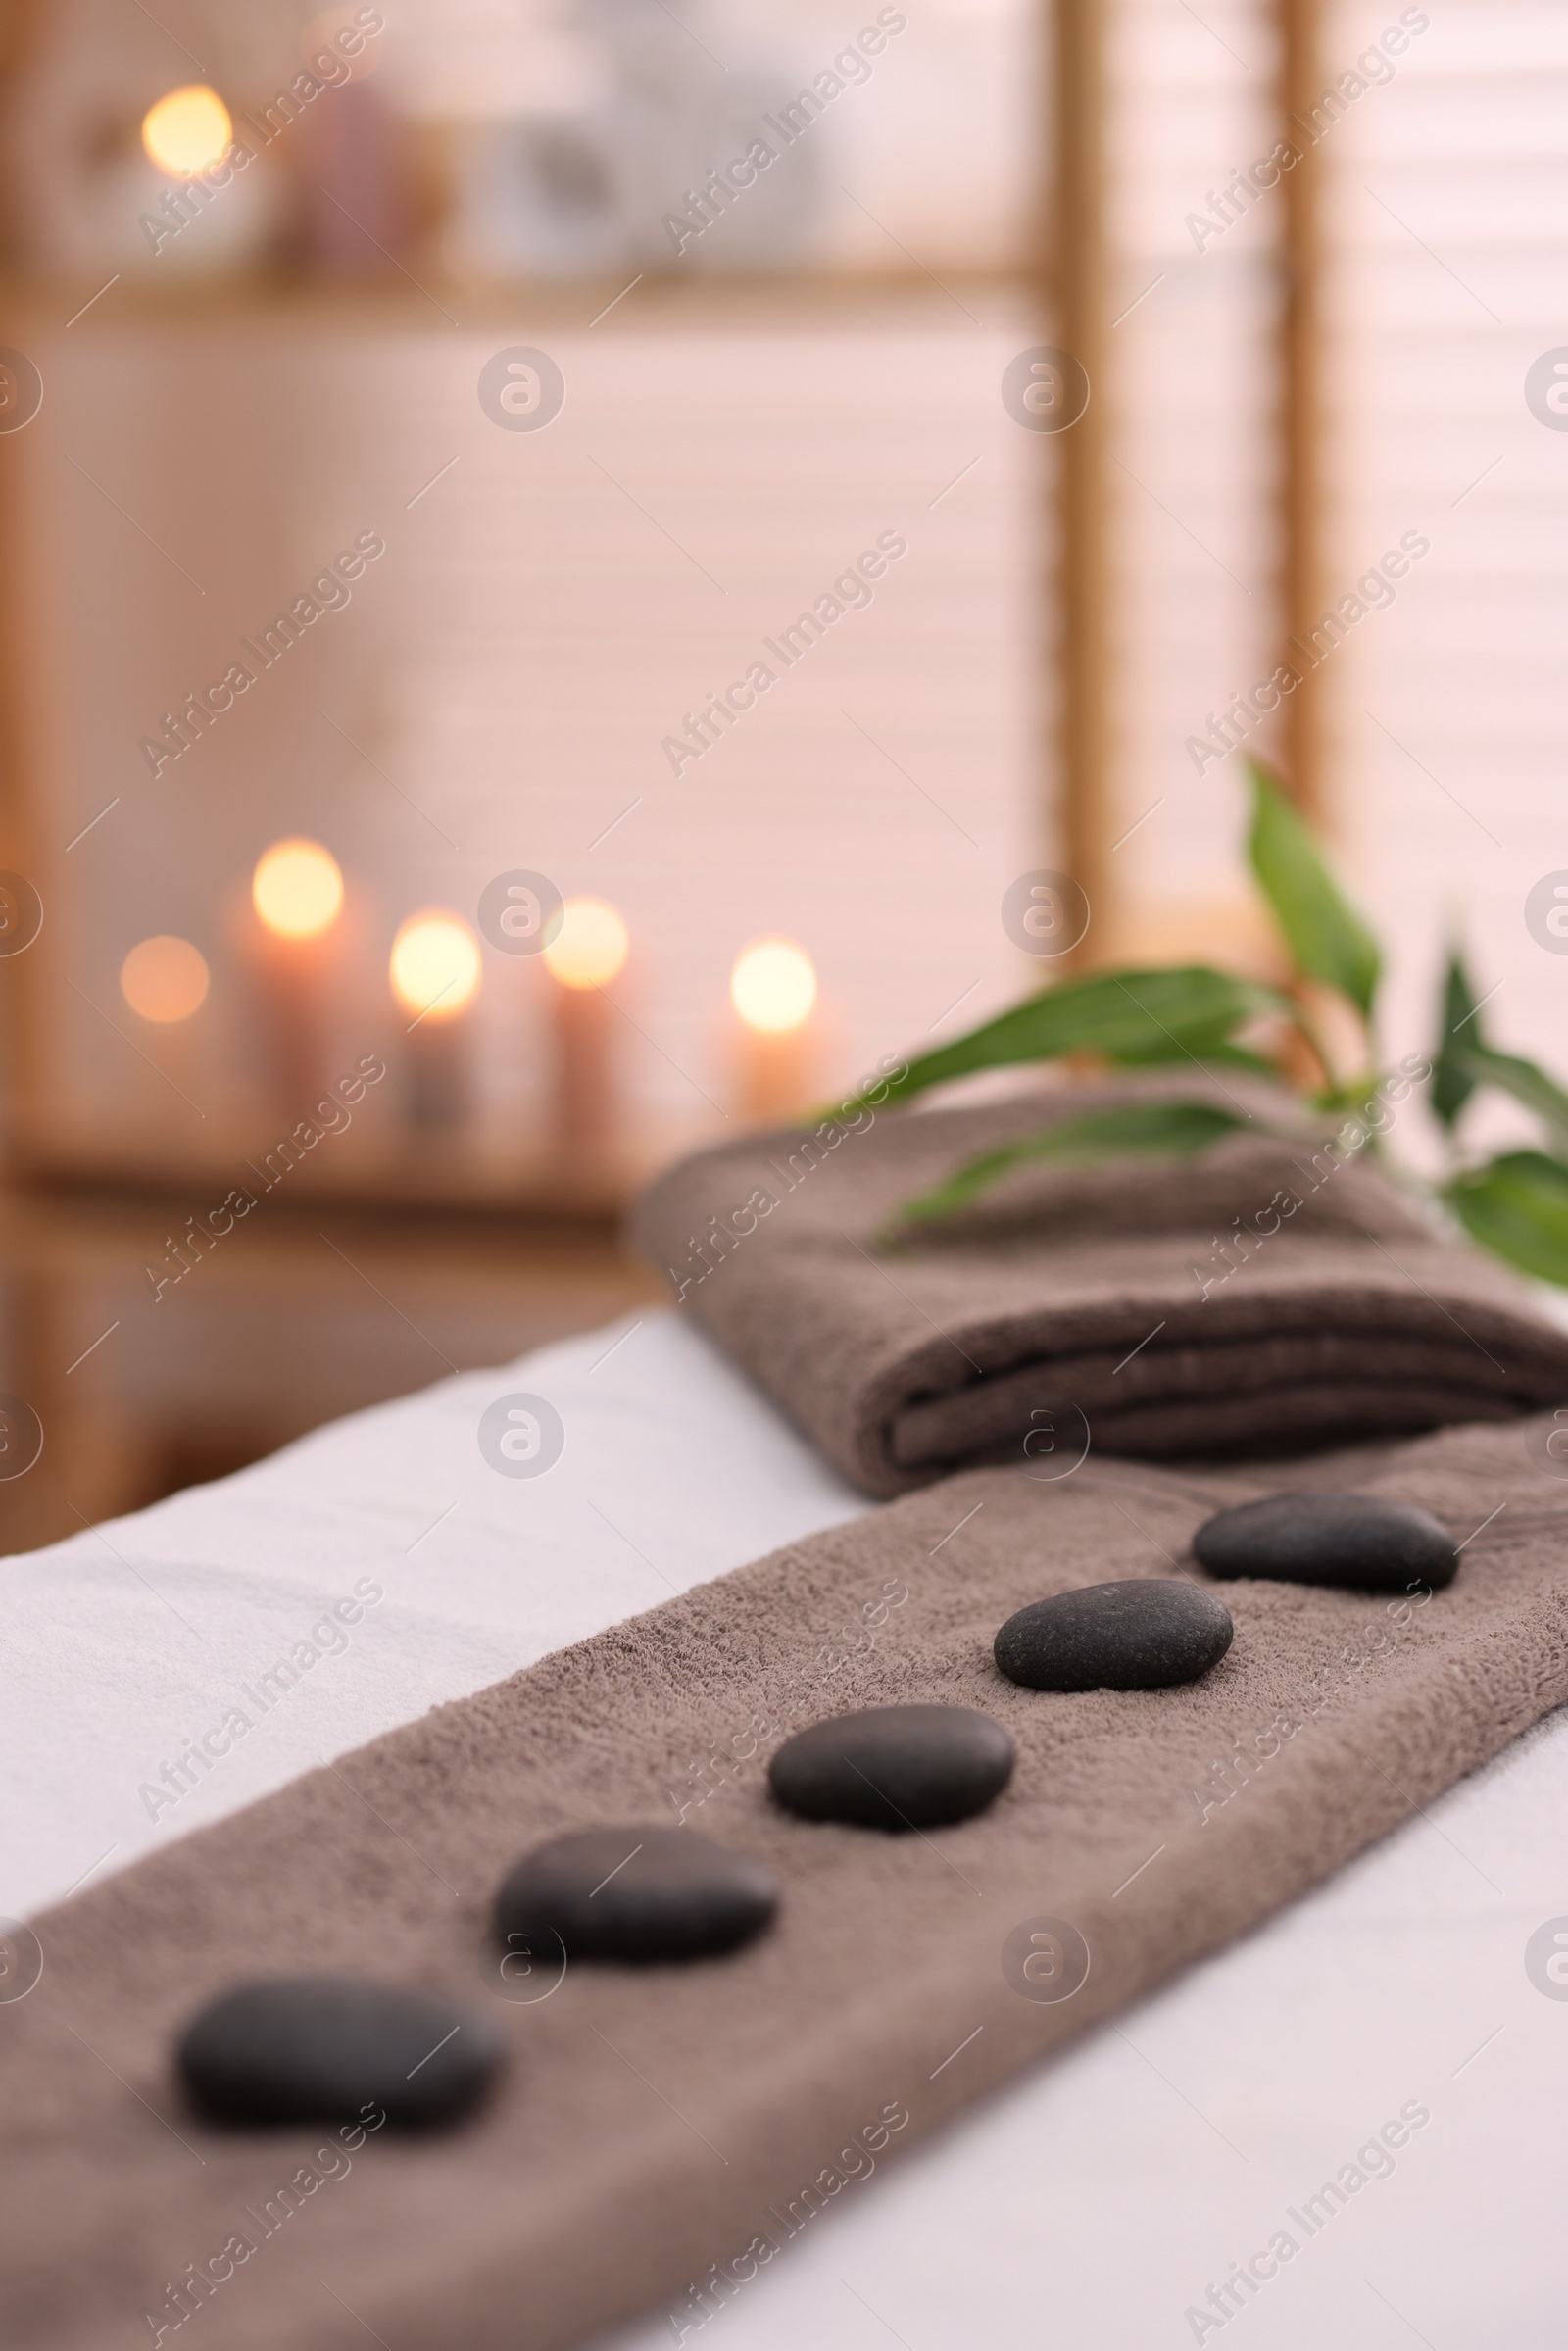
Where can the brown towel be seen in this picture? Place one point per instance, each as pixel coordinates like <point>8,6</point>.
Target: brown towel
<point>663,2134</point>
<point>1263,1297</point>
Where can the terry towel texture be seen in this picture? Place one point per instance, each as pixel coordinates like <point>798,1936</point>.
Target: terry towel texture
<point>663,2134</point>
<point>1255,1300</point>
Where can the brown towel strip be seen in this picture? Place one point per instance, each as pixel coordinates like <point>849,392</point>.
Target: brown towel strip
<point>1255,1299</point>
<point>664,2133</point>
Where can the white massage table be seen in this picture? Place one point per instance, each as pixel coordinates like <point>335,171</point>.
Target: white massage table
<point>1094,2203</point>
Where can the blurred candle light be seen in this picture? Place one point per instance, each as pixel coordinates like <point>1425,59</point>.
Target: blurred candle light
<point>587,952</point>
<point>187,132</point>
<point>436,964</point>
<point>297,894</point>
<point>297,889</point>
<point>590,947</point>
<point>435,976</point>
<point>772,987</point>
<point>164,979</point>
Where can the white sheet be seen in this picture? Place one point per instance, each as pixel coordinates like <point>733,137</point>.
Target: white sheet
<point>1094,2203</point>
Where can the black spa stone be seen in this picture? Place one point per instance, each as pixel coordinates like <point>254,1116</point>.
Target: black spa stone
<point>894,1767</point>
<point>1355,1540</point>
<point>638,1894</point>
<point>329,2050</point>
<point>1144,1635</point>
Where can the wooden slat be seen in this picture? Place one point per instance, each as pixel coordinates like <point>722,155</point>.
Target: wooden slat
<point>21,26</point>
<point>1081,636</point>
<point>1302,470</point>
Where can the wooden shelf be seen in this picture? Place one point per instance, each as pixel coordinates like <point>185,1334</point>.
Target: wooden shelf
<point>460,1171</point>
<point>84,1231</point>
<point>367,306</point>
<point>308,1311</point>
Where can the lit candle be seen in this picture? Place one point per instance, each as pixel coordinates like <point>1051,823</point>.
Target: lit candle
<point>297,893</point>
<point>187,132</point>
<point>773,990</point>
<point>435,977</point>
<point>165,981</point>
<point>583,957</point>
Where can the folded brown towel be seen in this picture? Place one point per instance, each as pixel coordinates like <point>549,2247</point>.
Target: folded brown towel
<point>1262,1297</point>
<point>663,2132</point>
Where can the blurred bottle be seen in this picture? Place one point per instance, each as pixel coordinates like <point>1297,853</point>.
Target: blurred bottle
<point>350,155</point>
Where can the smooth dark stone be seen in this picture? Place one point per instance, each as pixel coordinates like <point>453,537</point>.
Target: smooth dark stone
<point>894,1767</point>
<point>1355,1540</point>
<point>635,1894</point>
<point>1144,1635</point>
<point>328,2049</point>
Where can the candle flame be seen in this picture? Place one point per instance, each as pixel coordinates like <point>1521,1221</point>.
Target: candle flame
<point>297,889</point>
<point>187,132</point>
<point>436,964</point>
<point>591,944</point>
<point>773,985</point>
<point>164,979</point>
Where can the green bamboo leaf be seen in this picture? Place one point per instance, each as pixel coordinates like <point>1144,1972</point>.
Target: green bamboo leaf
<point>1130,1017</point>
<point>1324,932</point>
<point>1453,1085</point>
<point>1517,1207</point>
<point>1195,1045</point>
<point>1174,1128</point>
<point>1525,1079</point>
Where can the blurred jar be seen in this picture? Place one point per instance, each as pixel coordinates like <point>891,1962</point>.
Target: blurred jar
<point>630,118</point>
